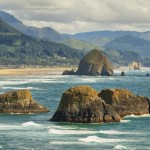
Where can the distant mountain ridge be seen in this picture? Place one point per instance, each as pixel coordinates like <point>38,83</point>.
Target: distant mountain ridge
<point>45,32</point>
<point>17,48</point>
<point>117,44</point>
<point>130,43</point>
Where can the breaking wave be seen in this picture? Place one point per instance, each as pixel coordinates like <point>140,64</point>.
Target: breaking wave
<point>30,123</point>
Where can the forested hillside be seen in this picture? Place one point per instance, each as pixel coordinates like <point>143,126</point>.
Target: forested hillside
<point>17,48</point>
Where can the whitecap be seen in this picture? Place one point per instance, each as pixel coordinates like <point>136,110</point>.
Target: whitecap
<point>55,131</point>
<point>15,113</point>
<point>125,121</point>
<point>99,140</point>
<point>116,132</point>
<point>146,115</point>
<point>61,127</point>
<point>1,146</point>
<point>30,123</point>
<point>120,147</point>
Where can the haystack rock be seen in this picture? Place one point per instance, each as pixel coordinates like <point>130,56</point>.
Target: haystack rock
<point>81,104</point>
<point>125,102</point>
<point>20,102</point>
<point>95,63</point>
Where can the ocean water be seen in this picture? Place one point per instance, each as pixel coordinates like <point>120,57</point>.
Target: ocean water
<point>36,132</point>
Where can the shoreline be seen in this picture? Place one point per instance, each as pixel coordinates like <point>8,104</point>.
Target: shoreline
<point>33,71</point>
<point>46,71</point>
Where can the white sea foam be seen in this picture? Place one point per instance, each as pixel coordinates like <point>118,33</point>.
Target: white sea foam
<point>20,88</point>
<point>55,131</point>
<point>117,71</point>
<point>110,78</point>
<point>3,83</point>
<point>54,81</point>
<point>89,80</point>
<point>15,113</point>
<point>1,146</point>
<point>30,123</point>
<point>137,116</point>
<point>99,140</point>
<point>116,132</point>
<point>120,147</point>
<point>61,127</point>
<point>125,121</point>
<point>8,127</point>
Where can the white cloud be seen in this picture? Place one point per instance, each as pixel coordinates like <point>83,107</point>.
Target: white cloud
<point>85,15</point>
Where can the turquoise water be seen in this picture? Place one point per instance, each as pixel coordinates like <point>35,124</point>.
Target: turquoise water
<point>36,132</point>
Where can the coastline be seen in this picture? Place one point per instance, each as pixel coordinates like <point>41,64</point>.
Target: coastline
<point>33,71</point>
<point>46,71</point>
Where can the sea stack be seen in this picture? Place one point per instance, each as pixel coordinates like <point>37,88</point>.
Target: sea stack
<point>81,104</point>
<point>122,73</point>
<point>95,63</point>
<point>125,102</point>
<point>20,101</point>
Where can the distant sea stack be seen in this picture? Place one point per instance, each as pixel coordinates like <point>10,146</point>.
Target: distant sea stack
<point>20,101</point>
<point>94,63</point>
<point>83,104</point>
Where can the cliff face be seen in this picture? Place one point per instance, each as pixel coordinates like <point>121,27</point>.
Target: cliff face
<point>95,63</point>
<point>20,102</point>
<point>82,104</point>
<point>125,102</point>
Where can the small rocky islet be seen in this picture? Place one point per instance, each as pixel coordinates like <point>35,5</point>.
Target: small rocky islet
<point>20,101</point>
<point>95,63</point>
<point>83,104</point>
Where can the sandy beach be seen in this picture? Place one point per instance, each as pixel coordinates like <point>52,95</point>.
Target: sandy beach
<point>32,71</point>
<point>45,71</point>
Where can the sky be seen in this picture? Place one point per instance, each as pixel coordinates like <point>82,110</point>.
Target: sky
<point>73,16</point>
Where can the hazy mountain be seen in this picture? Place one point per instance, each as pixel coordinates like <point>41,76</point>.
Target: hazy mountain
<point>118,40</point>
<point>108,35</point>
<point>17,48</point>
<point>130,43</point>
<point>80,44</point>
<point>45,33</point>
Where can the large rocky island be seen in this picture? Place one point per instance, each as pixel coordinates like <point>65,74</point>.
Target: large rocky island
<point>83,104</point>
<point>20,101</point>
<point>93,64</point>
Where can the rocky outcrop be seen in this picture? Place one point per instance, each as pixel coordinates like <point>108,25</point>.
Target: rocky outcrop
<point>69,72</point>
<point>20,102</point>
<point>125,102</point>
<point>122,73</point>
<point>82,104</point>
<point>95,63</point>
